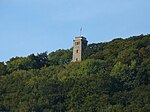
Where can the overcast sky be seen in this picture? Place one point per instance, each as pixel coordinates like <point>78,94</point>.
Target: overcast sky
<point>35,26</point>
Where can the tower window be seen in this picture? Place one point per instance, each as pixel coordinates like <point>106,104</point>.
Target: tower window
<point>76,59</point>
<point>77,51</point>
<point>77,43</point>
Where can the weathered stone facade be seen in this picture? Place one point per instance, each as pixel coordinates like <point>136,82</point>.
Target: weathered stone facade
<point>79,44</point>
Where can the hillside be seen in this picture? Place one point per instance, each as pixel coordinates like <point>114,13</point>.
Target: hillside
<point>113,77</point>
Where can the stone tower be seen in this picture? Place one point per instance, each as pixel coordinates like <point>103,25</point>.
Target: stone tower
<point>79,45</point>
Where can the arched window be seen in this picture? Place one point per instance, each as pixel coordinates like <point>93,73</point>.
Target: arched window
<point>76,59</point>
<point>77,51</point>
<point>77,43</point>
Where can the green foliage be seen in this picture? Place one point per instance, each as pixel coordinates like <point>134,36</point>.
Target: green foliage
<point>60,57</point>
<point>26,63</point>
<point>113,77</point>
<point>2,68</point>
<point>92,67</point>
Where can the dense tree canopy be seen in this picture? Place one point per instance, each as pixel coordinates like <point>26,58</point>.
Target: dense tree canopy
<point>114,76</point>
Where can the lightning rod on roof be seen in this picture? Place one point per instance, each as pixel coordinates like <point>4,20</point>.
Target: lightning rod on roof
<point>81,31</point>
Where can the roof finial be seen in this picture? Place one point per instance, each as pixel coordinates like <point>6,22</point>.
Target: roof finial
<point>81,31</point>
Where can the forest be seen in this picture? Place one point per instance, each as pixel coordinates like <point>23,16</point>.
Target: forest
<point>113,77</point>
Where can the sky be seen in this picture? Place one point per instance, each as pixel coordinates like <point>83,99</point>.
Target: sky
<point>36,26</point>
